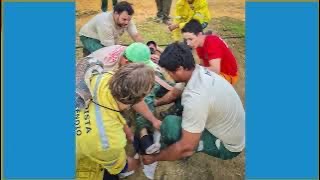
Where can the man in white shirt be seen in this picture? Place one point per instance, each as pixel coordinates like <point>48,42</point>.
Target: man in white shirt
<point>213,118</point>
<point>106,28</point>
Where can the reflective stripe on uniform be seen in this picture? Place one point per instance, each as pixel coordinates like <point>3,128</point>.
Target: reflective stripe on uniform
<point>99,121</point>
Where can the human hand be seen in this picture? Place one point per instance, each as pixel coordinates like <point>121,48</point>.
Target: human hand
<point>129,134</point>
<point>155,102</point>
<point>155,58</point>
<point>172,27</point>
<point>156,124</point>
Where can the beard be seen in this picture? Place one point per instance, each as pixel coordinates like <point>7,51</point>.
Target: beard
<point>121,25</point>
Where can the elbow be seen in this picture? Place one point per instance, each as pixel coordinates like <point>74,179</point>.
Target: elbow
<point>174,95</point>
<point>138,38</point>
<point>187,154</point>
<point>187,151</point>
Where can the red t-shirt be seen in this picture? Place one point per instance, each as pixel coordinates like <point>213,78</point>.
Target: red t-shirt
<point>214,47</point>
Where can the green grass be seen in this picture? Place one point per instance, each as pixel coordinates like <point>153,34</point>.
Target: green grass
<point>228,27</point>
<point>234,26</point>
<point>225,27</point>
<point>150,31</point>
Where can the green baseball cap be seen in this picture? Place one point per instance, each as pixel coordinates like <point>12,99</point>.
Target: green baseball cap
<point>139,53</point>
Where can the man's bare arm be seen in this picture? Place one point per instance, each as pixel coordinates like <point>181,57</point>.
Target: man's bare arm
<point>169,97</point>
<point>183,148</point>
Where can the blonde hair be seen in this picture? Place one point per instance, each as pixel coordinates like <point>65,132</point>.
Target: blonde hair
<point>131,83</point>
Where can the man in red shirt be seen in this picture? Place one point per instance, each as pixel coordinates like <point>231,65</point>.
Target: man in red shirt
<point>212,50</point>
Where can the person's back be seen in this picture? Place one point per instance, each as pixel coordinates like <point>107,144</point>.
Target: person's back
<point>101,131</point>
<point>222,111</point>
<point>99,128</point>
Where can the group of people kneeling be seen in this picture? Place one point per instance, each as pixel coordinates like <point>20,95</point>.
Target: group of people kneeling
<point>207,114</point>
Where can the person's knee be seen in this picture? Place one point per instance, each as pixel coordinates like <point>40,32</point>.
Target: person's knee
<point>228,155</point>
<point>171,129</point>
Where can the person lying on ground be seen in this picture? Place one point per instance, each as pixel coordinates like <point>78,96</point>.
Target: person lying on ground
<point>155,51</point>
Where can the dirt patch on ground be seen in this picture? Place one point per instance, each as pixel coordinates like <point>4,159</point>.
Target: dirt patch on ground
<point>228,22</point>
<point>147,8</point>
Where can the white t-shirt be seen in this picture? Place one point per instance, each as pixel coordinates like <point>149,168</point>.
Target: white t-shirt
<point>211,102</point>
<point>103,28</point>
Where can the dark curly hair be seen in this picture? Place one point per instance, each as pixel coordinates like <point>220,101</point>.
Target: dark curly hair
<point>176,55</point>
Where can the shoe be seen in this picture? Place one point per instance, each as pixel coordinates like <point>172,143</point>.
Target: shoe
<point>157,19</point>
<point>155,147</point>
<point>125,174</point>
<point>167,20</point>
<point>149,170</point>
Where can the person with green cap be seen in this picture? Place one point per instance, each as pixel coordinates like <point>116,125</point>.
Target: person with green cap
<point>109,59</point>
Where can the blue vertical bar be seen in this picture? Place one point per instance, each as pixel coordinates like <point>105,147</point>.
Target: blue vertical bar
<point>282,89</point>
<point>39,60</point>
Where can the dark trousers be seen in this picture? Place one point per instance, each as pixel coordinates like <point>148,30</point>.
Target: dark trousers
<point>104,4</point>
<point>108,176</point>
<point>163,7</point>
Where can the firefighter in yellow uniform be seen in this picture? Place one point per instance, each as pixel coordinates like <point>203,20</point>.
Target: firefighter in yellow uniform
<point>187,10</point>
<point>100,128</point>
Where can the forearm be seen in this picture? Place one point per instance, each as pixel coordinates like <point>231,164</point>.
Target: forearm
<point>133,164</point>
<point>215,65</point>
<point>166,99</point>
<point>144,110</point>
<point>137,38</point>
<point>174,152</point>
<point>128,133</point>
